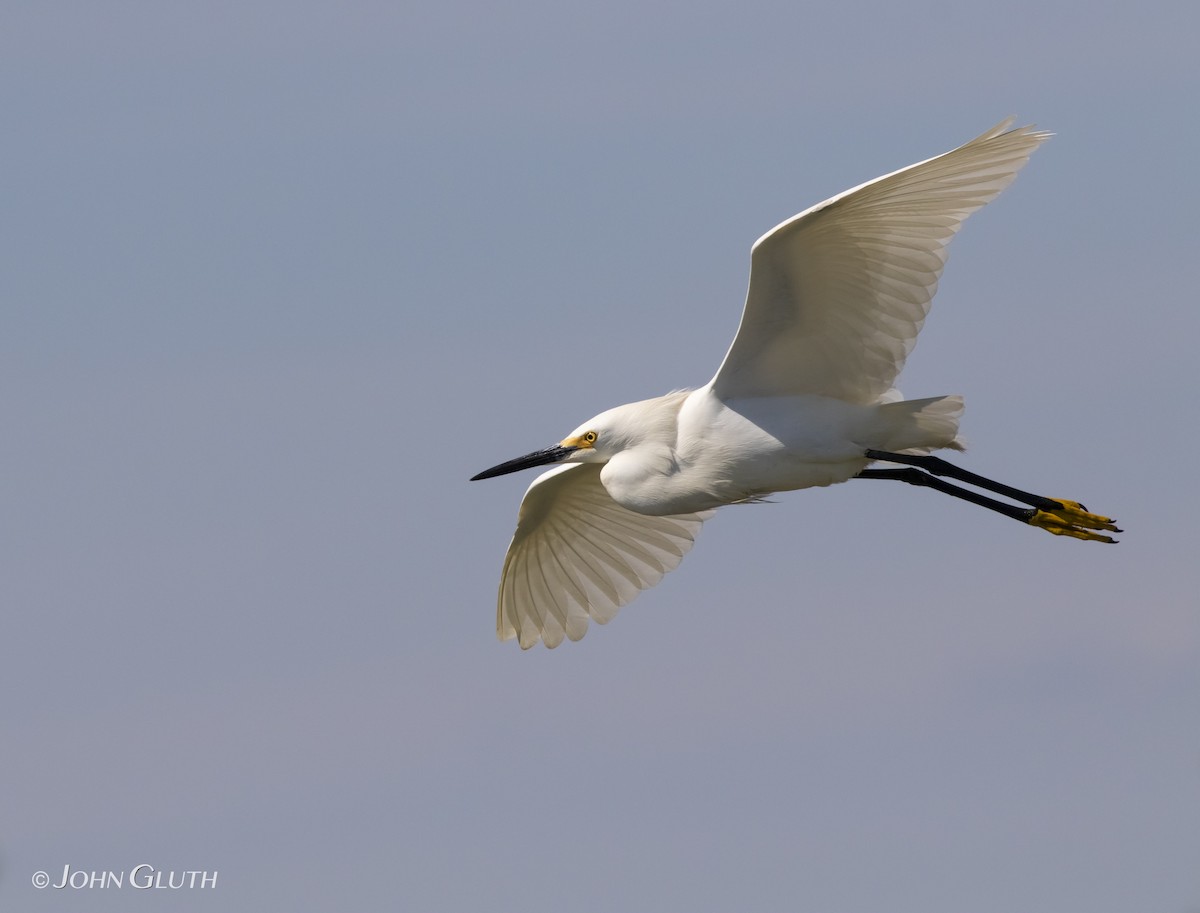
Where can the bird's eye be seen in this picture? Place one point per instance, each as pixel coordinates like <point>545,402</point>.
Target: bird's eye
<point>590,437</point>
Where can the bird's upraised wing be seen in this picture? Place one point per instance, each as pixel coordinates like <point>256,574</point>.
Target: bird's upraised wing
<point>578,554</point>
<point>838,293</point>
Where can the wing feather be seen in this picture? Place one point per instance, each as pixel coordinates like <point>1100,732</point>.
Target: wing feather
<point>577,556</point>
<point>839,292</point>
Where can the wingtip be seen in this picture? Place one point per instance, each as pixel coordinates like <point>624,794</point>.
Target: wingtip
<point>1006,128</point>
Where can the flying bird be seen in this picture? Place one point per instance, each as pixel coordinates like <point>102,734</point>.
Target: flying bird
<point>803,398</point>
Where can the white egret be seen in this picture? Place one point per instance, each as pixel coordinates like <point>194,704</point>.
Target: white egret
<point>804,398</point>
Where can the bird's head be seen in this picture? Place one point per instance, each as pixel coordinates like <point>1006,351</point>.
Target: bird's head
<point>586,444</point>
<point>601,438</point>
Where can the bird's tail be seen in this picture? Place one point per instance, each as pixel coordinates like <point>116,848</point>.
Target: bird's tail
<point>919,425</point>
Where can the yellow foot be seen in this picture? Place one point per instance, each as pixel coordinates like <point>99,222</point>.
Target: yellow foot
<point>1073,519</point>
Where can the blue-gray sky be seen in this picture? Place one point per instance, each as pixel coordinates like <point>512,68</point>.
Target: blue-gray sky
<point>277,278</point>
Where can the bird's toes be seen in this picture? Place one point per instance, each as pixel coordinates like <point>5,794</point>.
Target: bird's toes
<point>1074,520</point>
<point>1078,515</point>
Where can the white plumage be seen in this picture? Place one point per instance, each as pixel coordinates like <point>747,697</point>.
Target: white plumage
<point>578,554</point>
<point>837,296</point>
<point>839,292</point>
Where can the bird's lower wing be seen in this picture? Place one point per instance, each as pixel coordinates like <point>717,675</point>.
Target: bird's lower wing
<point>578,555</point>
<point>838,293</point>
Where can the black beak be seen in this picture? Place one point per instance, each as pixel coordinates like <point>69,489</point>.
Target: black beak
<point>538,458</point>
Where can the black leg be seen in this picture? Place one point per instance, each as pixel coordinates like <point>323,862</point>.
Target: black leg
<point>1062,518</point>
<point>940,467</point>
<point>916,477</point>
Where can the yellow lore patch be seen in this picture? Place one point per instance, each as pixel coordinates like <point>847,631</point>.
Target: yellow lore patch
<point>583,441</point>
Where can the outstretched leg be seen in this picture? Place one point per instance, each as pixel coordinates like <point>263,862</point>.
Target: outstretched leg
<point>1062,518</point>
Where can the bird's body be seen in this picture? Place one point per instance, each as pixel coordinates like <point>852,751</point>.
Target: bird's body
<point>691,451</point>
<point>804,398</point>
